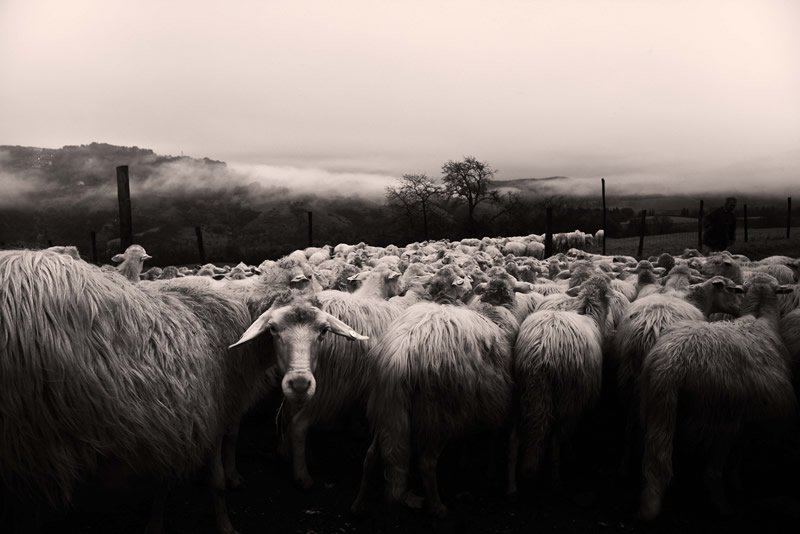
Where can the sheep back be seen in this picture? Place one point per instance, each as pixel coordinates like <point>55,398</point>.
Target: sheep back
<point>93,368</point>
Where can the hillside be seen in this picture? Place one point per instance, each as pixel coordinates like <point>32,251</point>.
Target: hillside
<point>63,195</point>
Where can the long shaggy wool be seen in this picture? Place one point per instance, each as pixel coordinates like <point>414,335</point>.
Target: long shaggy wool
<point>558,374</point>
<point>94,368</point>
<point>441,370</point>
<point>722,376</point>
<point>342,365</point>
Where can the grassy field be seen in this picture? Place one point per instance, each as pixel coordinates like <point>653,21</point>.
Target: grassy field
<point>761,242</point>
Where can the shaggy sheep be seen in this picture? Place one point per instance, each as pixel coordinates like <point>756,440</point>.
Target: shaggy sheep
<point>722,264</point>
<point>132,262</point>
<point>724,375</point>
<point>441,371</point>
<point>120,375</point>
<point>642,324</point>
<point>790,333</point>
<point>69,250</point>
<point>338,367</point>
<point>558,363</point>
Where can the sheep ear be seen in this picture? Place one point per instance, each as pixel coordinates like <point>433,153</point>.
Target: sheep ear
<point>784,289</point>
<point>573,291</point>
<point>299,278</point>
<point>738,289</point>
<point>360,277</point>
<point>118,258</point>
<point>718,283</point>
<point>480,288</point>
<point>393,275</point>
<point>523,287</point>
<point>146,257</point>
<point>341,329</point>
<point>258,327</point>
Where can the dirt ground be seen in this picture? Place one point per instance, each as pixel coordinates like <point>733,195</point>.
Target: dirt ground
<point>590,498</point>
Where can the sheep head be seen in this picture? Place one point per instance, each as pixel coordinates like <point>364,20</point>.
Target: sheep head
<point>295,328</point>
<point>717,295</point>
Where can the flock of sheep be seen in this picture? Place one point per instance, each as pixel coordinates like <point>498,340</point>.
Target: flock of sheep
<point>112,369</point>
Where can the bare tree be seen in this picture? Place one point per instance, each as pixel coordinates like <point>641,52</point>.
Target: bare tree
<point>416,193</point>
<point>470,180</point>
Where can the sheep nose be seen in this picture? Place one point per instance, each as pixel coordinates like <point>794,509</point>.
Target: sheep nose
<point>300,384</point>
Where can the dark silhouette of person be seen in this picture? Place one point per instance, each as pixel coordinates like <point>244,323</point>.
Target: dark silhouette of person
<point>719,228</point>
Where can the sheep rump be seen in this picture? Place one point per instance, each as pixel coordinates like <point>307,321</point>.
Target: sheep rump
<point>94,368</point>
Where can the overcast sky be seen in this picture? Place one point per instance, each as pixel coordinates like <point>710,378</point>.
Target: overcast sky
<point>699,92</point>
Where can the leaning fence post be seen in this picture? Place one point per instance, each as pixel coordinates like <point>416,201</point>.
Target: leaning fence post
<point>124,197</point>
<point>200,246</point>
<point>548,233</point>
<point>605,234</point>
<point>700,227</point>
<point>788,217</point>
<point>641,235</point>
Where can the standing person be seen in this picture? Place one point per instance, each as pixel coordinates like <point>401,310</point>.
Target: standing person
<point>719,228</point>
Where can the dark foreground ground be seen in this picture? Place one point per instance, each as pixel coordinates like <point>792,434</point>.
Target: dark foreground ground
<point>591,498</point>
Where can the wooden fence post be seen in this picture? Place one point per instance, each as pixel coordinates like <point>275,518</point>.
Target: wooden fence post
<point>548,233</point>
<point>200,246</point>
<point>700,228</point>
<point>93,236</point>
<point>310,240</point>
<point>788,217</point>
<point>124,197</point>
<point>605,235</point>
<point>641,235</point>
<point>745,223</point>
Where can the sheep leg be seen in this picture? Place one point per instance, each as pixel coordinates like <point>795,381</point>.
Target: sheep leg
<point>427,467</point>
<point>299,435</point>
<point>224,525</point>
<point>714,480</point>
<point>234,479</point>
<point>156,523</point>
<point>370,460</point>
<point>513,456</point>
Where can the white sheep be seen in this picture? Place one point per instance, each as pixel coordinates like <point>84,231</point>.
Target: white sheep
<point>339,368</point>
<point>725,375</point>
<point>118,375</point>
<point>131,262</point>
<point>558,363</point>
<point>644,321</point>
<point>441,371</point>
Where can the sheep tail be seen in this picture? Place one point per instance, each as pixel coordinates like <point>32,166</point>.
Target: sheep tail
<point>659,414</point>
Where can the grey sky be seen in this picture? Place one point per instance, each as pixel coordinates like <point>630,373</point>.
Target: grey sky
<point>641,92</point>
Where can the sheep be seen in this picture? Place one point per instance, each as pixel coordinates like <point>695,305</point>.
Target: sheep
<point>441,371</point>
<point>131,262</point>
<point>790,333</point>
<point>558,374</point>
<point>646,281</point>
<point>339,368</point>
<point>725,375</point>
<point>722,264</point>
<point>644,321</point>
<point>599,238</point>
<point>69,250</point>
<point>119,375</point>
